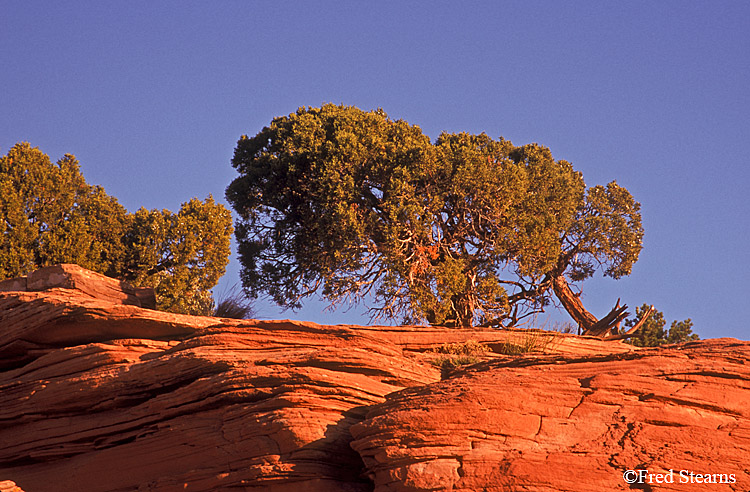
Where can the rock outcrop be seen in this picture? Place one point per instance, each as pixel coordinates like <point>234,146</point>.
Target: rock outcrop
<point>91,284</point>
<point>98,393</point>
<point>98,396</point>
<point>9,486</point>
<point>566,423</point>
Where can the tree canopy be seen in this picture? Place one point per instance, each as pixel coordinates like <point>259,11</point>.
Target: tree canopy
<point>50,215</point>
<point>653,332</point>
<point>463,231</point>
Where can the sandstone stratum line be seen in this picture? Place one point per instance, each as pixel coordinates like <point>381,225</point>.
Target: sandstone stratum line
<point>100,393</point>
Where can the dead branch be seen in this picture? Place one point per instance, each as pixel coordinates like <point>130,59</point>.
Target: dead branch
<point>572,304</point>
<point>608,324</point>
<point>607,327</point>
<point>632,331</point>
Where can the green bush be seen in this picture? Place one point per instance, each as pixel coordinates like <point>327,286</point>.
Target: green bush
<point>454,355</point>
<point>50,215</point>
<point>469,347</point>
<point>653,333</point>
<point>529,341</point>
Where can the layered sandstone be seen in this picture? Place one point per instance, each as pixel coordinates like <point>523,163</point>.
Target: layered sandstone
<point>98,393</point>
<point>91,284</point>
<point>562,423</point>
<point>101,396</point>
<point>9,486</point>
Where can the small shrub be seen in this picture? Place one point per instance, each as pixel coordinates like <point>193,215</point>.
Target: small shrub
<point>653,333</point>
<point>469,347</point>
<point>528,341</point>
<point>234,304</point>
<point>563,327</point>
<point>454,355</point>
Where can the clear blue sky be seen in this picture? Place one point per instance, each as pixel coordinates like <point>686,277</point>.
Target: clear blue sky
<point>152,97</point>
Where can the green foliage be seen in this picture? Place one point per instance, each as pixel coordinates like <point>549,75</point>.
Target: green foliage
<point>448,363</point>
<point>466,230</point>
<point>607,232</point>
<point>681,331</point>
<point>50,215</point>
<point>181,255</point>
<point>529,341</point>
<point>455,355</point>
<point>653,334</point>
<point>469,347</point>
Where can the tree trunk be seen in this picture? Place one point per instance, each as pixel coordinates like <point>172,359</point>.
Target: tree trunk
<point>572,303</point>
<point>607,326</point>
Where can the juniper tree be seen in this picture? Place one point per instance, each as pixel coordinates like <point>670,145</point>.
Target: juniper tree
<point>653,332</point>
<point>49,215</point>
<point>463,231</point>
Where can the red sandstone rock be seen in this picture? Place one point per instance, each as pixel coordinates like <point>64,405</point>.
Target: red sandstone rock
<point>95,285</point>
<point>565,423</point>
<point>98,394</point>
<point>422,339</point>
<point>9,486</point>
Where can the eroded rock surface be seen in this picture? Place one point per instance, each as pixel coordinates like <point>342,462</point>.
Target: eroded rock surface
<point>99,394</point>
<point>92,284</point>
<point>567,423</point>
<point>9,486</point>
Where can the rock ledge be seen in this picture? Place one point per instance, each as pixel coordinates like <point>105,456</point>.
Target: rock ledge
<point>98,393</point>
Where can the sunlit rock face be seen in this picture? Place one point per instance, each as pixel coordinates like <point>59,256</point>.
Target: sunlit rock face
<point>100,393</point>
<point>570,424</point>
